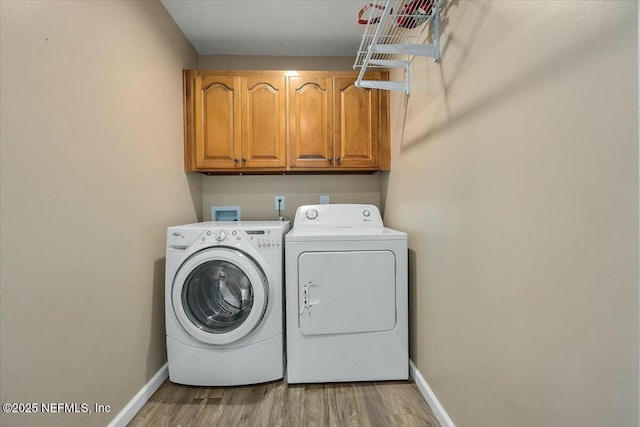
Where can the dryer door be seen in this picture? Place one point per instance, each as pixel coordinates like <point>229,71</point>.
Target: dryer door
<point>346,292</point>
<point>219,295</point>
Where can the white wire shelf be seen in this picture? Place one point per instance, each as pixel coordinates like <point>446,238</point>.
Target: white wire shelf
<point>393,37</point>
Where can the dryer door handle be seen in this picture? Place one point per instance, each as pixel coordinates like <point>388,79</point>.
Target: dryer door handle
<point>307,301</point>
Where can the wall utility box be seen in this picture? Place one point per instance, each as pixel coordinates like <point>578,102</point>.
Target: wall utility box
<point>225,213</point>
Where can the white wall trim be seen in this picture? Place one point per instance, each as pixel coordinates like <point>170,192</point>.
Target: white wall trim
<point>138,401</point>
<point>430,397</point>
<point>638,29</point>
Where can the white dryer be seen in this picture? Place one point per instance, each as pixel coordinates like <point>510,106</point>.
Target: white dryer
<point>346,296</point>
<point>223,302</point>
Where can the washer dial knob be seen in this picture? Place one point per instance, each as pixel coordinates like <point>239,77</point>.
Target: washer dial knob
<point>221,235</point>
<point>312,214</point>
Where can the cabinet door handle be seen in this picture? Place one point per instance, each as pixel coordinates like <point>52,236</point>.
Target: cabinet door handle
<point>244,160</point>
<point>330,159</point>
<point>338,159</point>
<point>236,160</point>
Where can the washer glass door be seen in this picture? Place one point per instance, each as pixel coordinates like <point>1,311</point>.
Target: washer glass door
<point>219,295</point>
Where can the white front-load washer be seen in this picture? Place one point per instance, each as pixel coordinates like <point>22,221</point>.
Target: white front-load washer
<point>223,302</point>
<point>346,296</point>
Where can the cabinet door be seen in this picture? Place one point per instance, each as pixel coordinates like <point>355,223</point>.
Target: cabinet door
<point>357,124</point>
<point>310,122</point>
<point>263,122</point>
<point>216,121</point>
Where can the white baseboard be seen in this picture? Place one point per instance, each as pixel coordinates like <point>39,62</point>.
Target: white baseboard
<point>430,397</point>
<point>138,401</point>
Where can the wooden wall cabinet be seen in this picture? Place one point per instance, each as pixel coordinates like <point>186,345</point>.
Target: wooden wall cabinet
<point>263,119</point>
<point>310,118</point>
<point>234,122</point>
<point>357,124</point>
<point>284,121</point>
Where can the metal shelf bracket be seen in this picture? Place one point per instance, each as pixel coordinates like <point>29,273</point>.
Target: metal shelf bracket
<point>393,39</point>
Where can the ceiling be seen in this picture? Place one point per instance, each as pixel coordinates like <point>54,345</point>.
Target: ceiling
<point>269,27</point>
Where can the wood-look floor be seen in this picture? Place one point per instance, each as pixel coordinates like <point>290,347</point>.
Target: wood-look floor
<point>384,404</point>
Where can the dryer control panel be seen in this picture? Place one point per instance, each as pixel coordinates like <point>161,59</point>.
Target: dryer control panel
<point>338,215</point>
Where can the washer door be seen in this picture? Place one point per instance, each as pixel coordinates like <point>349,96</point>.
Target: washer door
<point>219,295</point>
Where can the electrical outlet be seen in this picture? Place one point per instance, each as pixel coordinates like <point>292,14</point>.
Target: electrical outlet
<point>279,202</point>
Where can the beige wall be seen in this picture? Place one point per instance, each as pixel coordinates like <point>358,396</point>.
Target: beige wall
<point>516,177</point>
<point>249,62</point>
<point>255,194</point>
<point>91,176</point>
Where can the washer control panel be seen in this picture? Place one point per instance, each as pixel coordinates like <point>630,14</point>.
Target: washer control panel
<point>180,239</point>
<point>264,239</point>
